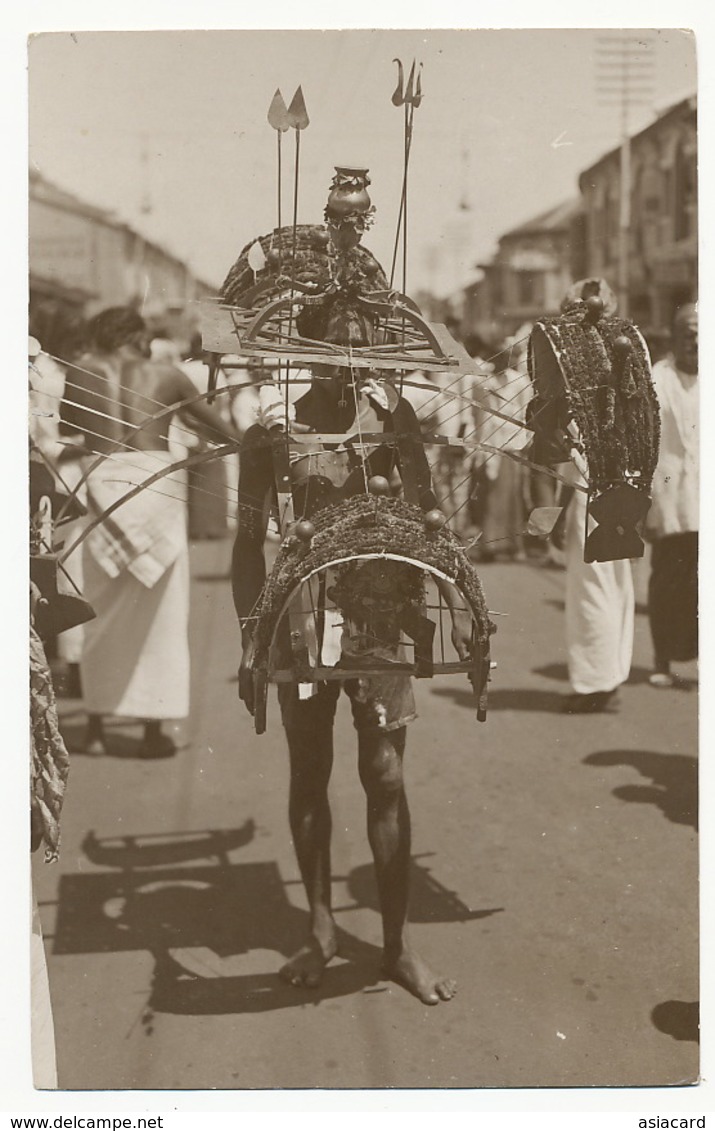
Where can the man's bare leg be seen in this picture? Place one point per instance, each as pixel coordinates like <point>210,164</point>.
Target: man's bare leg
<point>388,830</point>
<point>311,760</point>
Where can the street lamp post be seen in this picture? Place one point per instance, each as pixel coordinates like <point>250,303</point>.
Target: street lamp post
<point>624,79</point>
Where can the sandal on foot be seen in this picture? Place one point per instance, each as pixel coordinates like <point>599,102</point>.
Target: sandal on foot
<point>591,704</point>
<point>160,747</point>
<point>661,679</point>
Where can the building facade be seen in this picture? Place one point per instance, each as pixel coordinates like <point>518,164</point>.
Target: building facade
<point>527,277</point>
<point>83,259</point>
<point>663,241</point>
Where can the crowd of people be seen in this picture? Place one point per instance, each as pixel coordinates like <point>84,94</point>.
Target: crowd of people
<point>93,382</point>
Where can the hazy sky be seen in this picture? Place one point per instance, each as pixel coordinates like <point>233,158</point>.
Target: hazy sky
<point>509,118</point>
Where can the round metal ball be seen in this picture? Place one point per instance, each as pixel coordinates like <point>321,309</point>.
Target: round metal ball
<point>378,485</point>
<point>622,347</point>
<point>434,520</point>
<point>273,257</point>
<point>304,530</point>
<point>594,308</point>
<point>371,267</point>
<point>321,237</point>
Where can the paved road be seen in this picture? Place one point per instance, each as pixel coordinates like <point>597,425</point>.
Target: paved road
<point>554,877</point>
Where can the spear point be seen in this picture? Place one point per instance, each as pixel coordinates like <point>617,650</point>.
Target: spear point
<point>278,113</point>
<point>297,113</point>
<point>410,92</point>
<point>256,257</point>
<point>417,96</point>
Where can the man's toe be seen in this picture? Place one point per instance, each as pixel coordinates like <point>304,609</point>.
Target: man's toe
<point>446,990</point>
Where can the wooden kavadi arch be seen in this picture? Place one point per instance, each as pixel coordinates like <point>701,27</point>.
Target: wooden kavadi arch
<point>372,586</point>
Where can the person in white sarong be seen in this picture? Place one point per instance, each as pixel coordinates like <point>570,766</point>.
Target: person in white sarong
<point>135,659</point>
<point>600,600</point>
<point>600,611</point>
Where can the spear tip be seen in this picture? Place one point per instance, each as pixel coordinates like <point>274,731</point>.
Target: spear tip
<point>278,113</point>
<point>410,92</point>
<point>297,112</point>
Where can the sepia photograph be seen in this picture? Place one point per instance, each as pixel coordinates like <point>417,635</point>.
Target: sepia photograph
<point>364,504</point>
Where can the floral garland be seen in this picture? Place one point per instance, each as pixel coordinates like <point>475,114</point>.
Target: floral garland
<point>608,392</point>
<point>366,524</point>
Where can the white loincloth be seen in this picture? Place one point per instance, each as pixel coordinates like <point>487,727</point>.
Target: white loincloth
<point>135,659</point>
<point>600,610</point>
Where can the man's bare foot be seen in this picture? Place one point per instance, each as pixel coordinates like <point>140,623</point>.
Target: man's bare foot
<point>307,965</point>
<point>413,974</point>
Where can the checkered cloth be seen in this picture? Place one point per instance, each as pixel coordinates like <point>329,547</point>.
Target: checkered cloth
<point>146,534</point>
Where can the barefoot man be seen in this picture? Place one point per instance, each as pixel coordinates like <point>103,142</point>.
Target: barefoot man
<point>382,705</point>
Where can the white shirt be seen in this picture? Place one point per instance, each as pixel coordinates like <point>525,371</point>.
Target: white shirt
<point>676,483</point>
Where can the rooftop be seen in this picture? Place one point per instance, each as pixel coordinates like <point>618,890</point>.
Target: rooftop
<point>555,218</point>
<point>683,106</point>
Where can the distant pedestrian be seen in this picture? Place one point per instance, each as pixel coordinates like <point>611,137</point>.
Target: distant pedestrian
<point>506,498</point>
<point>672,522</point>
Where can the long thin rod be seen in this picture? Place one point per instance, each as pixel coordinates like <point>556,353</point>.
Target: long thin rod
<point>295,232</point>
<point>408,141</point>
<point>400,212</point>
<point>280,235</point>
<point>280,184</point>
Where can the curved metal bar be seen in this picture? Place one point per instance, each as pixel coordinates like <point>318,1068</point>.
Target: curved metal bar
<point>362,558</point>
<point>288,301</point>
<point>390,296</point>
<point>190,461</point>
<point>410,315</point>
<point>155,418</point>
<point>518,458</point>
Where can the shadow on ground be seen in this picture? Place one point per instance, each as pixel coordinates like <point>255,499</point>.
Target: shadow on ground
<point>673,777</point>
<point>430,902</point>
<point>637,675</point>
<point>506,699</point>
<point>679,1019</point>
<point>640,609</point>
<point>180,898</point>
<point>119,741</point>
